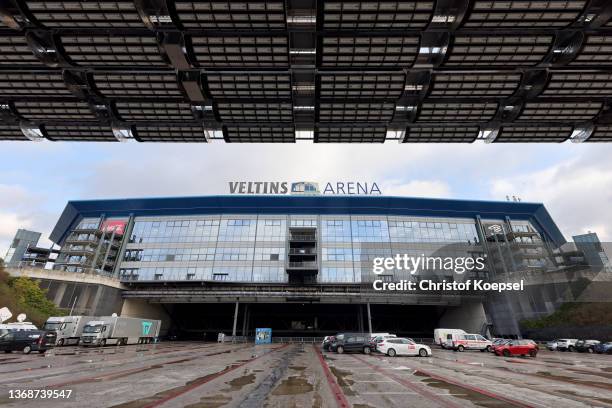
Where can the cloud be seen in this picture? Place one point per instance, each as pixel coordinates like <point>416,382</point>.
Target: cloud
<point>417,188</point>
<point>577,192</point>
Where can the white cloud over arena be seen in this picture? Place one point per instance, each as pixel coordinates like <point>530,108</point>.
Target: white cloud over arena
<point>574,181</point>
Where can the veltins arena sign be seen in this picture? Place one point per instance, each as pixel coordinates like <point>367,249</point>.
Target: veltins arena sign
<point>304,188</point>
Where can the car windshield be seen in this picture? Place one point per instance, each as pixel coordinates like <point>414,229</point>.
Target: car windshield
<point>52,325</point>
<point>92,329</point>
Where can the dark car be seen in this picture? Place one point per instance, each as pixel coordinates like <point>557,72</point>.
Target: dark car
<point>603,348</point>
<point>517,348</point>
<point>351,342</point>
<point>27,341</point>
<point>586,346</point>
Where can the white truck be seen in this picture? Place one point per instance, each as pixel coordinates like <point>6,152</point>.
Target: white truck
<point>119,331</point>
<point>68,329</point>
<point>442,336</point>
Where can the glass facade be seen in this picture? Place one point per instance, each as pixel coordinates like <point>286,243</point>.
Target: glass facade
<point>254,248</point>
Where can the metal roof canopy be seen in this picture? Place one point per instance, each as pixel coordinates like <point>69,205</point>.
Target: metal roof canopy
<point>320,70</point>
<point>260,204</point>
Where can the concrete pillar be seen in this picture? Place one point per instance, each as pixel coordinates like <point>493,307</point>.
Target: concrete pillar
<point>244,319</point>
<point>360,318</point>
<point>369,318</point>
<point>235,321</point>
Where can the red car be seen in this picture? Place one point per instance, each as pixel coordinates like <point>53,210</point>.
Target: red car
<point>517,348</point>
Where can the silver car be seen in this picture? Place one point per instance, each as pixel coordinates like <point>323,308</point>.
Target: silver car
<point>552,345</point>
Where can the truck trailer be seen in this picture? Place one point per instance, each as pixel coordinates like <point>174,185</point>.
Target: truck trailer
<point>68,329</point>
<point>120,331</point>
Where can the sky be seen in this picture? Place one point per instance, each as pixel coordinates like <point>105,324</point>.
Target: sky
<point>574,181</point>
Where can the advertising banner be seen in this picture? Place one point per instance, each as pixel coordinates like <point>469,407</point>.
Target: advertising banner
<point>114,225</point>
<point>263,336</point>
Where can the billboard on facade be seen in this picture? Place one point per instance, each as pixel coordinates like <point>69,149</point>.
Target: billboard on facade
<point>114,225</point>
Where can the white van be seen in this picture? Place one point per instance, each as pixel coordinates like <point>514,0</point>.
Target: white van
<point>16,326</point>
<point>442,336</point>
<point>469,341</point>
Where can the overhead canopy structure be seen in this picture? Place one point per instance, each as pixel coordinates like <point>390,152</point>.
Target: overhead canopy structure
<point>326,70</point>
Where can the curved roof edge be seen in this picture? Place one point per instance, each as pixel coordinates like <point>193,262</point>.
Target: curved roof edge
<point>301,204</point>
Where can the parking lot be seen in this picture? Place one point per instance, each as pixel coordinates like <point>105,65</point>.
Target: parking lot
<point>207,375</point>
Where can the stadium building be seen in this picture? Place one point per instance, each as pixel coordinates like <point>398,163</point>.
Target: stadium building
<point>303,264</point>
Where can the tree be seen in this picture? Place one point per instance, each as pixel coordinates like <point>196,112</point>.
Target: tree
<point>24,295</point>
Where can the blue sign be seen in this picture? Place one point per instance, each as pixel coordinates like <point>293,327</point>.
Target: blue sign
<point>146,328</point>
<point>263,336</point>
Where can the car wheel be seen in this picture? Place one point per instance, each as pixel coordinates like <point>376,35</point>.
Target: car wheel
<point>366,350</point>
<point>489,349</point>
<point>423,353</point>
<point>102,342</point>
<point>533,353</point>
<point>7,351</point>
<point>571,348</point>
<point>506,353</point>
<point>41,351</point>
<point>27,349</point>
<point>340,350</point>
<point>391,353</point>
<point>60,342</point>
<point>460,348</point>
<point>590,350</point>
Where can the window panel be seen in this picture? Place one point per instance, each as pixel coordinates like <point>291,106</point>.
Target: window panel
<point>498,51</point>
<point>237,134</point>
<point>597,50</point>
<point>350,134</point>
<point>11,132</point>
<point>356,112</point>
<point>123,86</point>
<point>453,112</point>
<point>579,84</point>
<point>376,14</point>
<point>112,50</point>
<point>245,85</point>
<point>33,84</point>
<point>255,112</point>
<point>82,133</point>
<point>370,86</point>
<point>85,14</point>
<point>474,85</point>
<point>183,133</point>
<point>54,110</point>
<point>241,51</point>
<point>369,51</point>
<point>574,111</point>
<point>15,51</point>
<point>601,133</point>
<point>521,13</point>
<point>441,134</point>
<point>524,134</point>
<point>154,111</point>
<point>231,14</point>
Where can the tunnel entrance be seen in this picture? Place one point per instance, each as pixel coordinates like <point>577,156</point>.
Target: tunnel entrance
<point>198,321</point>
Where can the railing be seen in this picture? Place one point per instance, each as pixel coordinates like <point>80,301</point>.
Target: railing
<point>302,264</point>
<point>303,237</point>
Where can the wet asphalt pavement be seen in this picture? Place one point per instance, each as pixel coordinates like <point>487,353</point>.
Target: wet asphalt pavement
<point>209,375</point>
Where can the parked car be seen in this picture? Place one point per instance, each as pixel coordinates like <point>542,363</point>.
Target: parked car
<point>442,336</point>
<point>469,342</point>
<point>517,348</point>
<point>377,339</point>
<point>566,344</point>
<point>27,341</point>
<point>552,345</point>
<point>352,342</point>
<point>400,346</point>
<point>603,348</point>
<point>327,341</point>
<point>586,346</point>
<point>497,342</point>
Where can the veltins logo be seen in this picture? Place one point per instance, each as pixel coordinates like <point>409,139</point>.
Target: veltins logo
<point>146,327</point>
<point>304,188</point>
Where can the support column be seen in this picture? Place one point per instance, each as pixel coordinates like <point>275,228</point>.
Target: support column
<point>235,322</point>
<point>244,319</point>
<point>360,318</point>
<point>369,318</point>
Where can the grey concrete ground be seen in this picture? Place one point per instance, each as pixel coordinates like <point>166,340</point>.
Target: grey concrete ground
<point>207,375</point>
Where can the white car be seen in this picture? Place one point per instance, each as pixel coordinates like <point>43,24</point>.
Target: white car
<point>400,346</point>
<point>566,344</point>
